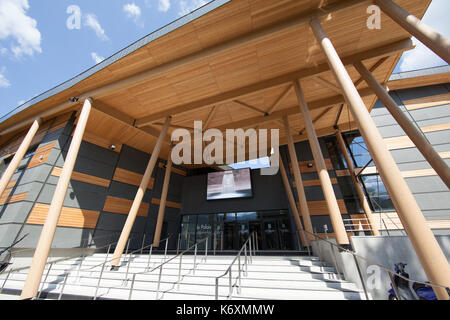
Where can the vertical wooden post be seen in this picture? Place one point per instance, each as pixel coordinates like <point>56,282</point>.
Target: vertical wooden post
<point>327,186</point>
<point>48,231</point>
<point>162,204</point>
<point>427,35</point>
<point>359,190</point>
<point>416,136</point>
<point>139,196</point>
<point>299,182</point>
<point>293,205</point>
<point>427,248</point>
<point>20,153</point>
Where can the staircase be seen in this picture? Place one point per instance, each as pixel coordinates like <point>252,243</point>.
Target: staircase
<point>269,277</point>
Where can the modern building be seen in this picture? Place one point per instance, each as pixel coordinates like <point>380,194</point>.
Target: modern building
<point>88,163</point>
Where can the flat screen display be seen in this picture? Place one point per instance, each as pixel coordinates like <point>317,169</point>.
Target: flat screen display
<point>229,184</point>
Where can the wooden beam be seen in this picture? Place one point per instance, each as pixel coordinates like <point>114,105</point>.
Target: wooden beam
<point>246,105</point>
<point>327,84</point>
<point>280,99</point>
<point>279,81</point>
<point>210,117</point>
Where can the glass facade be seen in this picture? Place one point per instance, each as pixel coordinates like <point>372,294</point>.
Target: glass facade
<point>229,231</point>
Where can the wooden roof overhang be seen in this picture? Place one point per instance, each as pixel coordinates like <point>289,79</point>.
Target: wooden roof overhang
<point>233,68</point>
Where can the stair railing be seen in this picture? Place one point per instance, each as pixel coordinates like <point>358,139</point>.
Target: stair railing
<point>248,249</point>
<point>389,271</point>
<point>160,267</point>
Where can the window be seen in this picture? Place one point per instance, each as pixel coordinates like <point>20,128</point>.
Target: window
<point>377,193</point>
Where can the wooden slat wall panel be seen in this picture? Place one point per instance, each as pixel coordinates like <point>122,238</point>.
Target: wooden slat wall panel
<point>70,217</point>
<point>6,198</point>
<point>82,177</point>
<point>171,204</point>
<point>100,141</point>
<point>303,165</point>
<point>319,208</point>
<point>11,184</point>
<point>122,206</point>
<point>130,177</point>
<point>310,183</point>
<point>427,102</point>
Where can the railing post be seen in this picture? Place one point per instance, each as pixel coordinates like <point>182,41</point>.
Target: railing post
<point>159,281</point>
<point>99,280</point>
<point>230,284</point>
<point>206,249</point>
<point>360,277</point>
<point>149,255</point>
<point>6,279</point>
<point>239,270</point>
<point>45,279</point>
<point>63,286</point>
<point>165,250</point>
<point>195,258</point>
<point>179,272</point>
<point>335,262</point>
<point>246,263</point>
<point>143,244</point>
<point>125,280</point>
<point>128,244</point>
<point>178,243</point>
<point>215,243</point>
<point>217,288</point>
<point>132,286</point>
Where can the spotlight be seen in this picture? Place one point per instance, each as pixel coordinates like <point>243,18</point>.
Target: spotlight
<point>74,99</point>
<point>310,165</point>
<point>112,147</point>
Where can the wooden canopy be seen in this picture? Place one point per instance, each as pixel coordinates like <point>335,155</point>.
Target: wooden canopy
<point>233,68</point>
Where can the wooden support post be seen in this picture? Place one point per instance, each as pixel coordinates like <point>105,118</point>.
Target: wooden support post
<point>48,231</point>
<point>324,177</point>
<point>359,190</point>
<point>162,204</point>
<point>427,248</point>
<point>139,196</point>
<point>416,136</point>
<point>20,153</point>
<point>299,182</point>
<point>427,35</point>
<point>293,205</point>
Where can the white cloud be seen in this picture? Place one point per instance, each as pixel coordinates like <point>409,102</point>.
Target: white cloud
<point>132,10</point>
<point>15,24</point>
<point>163,5</point>
<point>4,83</point>
<point>91,21</point>
<point>422,57</point>
<point>187,6</point>
<point>97,59</point>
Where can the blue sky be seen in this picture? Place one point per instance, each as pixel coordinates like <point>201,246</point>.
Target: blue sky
<point>39,51</point>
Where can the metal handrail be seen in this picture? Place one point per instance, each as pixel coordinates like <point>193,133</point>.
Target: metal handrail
<point>251,243</point>
<point>160,267</point>
<point>389,271</point>
<point>128,262</point>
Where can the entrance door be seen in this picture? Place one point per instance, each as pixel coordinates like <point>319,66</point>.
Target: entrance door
<point>229,235</point>
<point>271,237</point>
<point>256,226</point>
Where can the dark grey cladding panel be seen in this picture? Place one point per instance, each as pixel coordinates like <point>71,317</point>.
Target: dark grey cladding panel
<point>391,131</point>
<point>15,212</point>
<point>94,168</point>
<point>31,240</point>
<point>442,147</point>
<point>433,201</point>
<point>80,195</point>
<point>172,214</point>
<point>111,221</point>
<point>436,214</point>
<point>139,225</point>
<point>379,109</point>
<point>55,135</point>
<point>438,137</point>
<point>173,197</point>
<point>8,235</point>
<point>72,237</point>
<point>102,238</point>
<point>435,121</point>
<point>413,165</point>
<point>384,120</point>
<point>127,191</point>
<point>414,93</point>
<point>94,152</point>
<point>268,194</point>
<point>133,160</point>
<point>427,185</point>
<point>407,155</point>
<point>176,185</point>
<point>314,193</point>
<point>431,113</point>
<point>32,189</point>
<point>35,174</point>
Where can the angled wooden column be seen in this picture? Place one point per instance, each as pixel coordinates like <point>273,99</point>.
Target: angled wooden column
<point>299,182</point>
<point>139,196</point>
<point>31,286</point>
<point>427,248</point>
<point>359,190</point>
<point>20,153</point>
<point>427,35</point>
<point>416,135</point>
<point>324,177</point>
<point>293,205</point>
<point>162,204</point>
